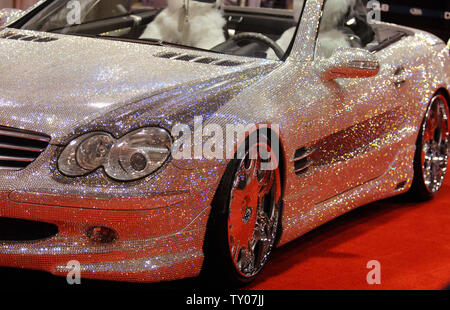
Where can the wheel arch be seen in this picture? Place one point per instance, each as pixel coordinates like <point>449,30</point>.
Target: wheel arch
<point>441,89</point>
<point>220,201</point>
<point>444,91</point>
<point>418,190</point>
<point>282,158</point>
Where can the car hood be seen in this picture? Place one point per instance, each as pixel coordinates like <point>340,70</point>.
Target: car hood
<point>57,82</point>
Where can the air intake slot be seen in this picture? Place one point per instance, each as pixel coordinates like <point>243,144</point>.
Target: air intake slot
<point>228,63</point>
<point>302,160</point>
<point>167,55</point>
<point>29,38</point>
<point>23,230</point>
<point>20,148</point>
<point>206,60</point>
<point>186,57</point>
<point>199,59</point>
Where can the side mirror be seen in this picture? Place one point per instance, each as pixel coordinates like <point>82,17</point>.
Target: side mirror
<point>350,63</point>
<point>9,15</point>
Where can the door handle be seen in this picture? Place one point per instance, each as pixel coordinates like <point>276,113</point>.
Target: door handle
<point>235,19</point>
<point>400,76</point>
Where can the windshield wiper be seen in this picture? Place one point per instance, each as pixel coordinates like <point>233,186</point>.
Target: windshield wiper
<point>107,37</point>
<point>148,41</point>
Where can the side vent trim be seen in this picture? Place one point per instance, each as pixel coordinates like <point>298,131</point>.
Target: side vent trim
<point>302,160</point>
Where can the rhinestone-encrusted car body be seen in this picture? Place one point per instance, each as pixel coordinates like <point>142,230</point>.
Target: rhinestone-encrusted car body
<point>348,129</point>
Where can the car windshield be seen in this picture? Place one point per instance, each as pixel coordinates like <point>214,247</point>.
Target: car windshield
<point>238,27</point>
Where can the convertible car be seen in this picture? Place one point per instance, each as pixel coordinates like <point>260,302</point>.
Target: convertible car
<point>113,153</point>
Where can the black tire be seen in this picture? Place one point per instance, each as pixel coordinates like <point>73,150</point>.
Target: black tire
<point>219,269</point>
<point>425,187</point>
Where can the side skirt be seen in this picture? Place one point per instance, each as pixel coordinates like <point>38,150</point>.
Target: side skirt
<point>397,179</point>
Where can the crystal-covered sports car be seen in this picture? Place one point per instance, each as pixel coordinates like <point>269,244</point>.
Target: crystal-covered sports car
<point>115,152</point>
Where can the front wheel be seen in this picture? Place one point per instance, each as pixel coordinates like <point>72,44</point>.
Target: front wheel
<point>431,158</point>
<point>245,216</point>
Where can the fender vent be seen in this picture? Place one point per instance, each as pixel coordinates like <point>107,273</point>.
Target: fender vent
<point>23,37</point>
<point>20,148</point>
<point>302,160</point>
<point>199,59</point>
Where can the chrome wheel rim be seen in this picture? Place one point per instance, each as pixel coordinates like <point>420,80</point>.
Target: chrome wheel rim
<point>435,144</point>
<point>253,213</point>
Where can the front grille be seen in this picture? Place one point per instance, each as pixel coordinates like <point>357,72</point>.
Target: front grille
<point>20,148</point>
<point>24,230</point>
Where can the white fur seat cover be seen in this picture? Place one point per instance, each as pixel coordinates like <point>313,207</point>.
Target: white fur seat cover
<point>330,36</point>
<point>205,25</point>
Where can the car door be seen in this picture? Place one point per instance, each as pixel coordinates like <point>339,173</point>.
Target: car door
<point>347,127</point>
<point>359,116</point>
<point>362,115</point>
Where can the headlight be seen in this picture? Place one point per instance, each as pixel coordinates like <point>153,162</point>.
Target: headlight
<point>136,155</point>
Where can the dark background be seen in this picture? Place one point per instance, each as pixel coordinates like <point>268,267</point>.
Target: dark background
<point>433,18</point>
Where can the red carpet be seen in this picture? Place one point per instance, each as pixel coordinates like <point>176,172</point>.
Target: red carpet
<point>410,240</point>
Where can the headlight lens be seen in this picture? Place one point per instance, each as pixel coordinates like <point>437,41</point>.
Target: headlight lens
<point>136,155</point>
<point>92,152</point>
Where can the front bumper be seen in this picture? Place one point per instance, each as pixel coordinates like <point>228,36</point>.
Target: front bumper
<point>159,238</point>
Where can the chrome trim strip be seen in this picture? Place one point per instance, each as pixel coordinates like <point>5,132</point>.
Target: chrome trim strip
<point>23,135</point>
<point>348,190</point>
<point>268,11</point>
<point>10,168</point>
<point>14,158</point>
<point>135,265</point>
<point>309,152</point>
<point>309,164</point>
<point>20,148</point>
